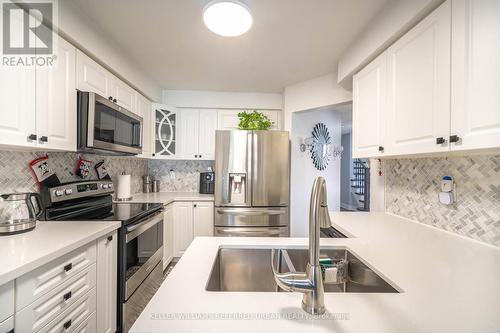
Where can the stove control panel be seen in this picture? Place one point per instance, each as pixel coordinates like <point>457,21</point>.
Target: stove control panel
<point>70,191</point>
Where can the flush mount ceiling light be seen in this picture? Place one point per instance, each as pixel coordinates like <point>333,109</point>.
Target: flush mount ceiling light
<point>227,18</point>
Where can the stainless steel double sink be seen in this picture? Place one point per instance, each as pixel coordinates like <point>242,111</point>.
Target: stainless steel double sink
<point>249,270</point>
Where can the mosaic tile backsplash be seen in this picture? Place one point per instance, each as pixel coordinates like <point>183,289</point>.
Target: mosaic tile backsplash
<point>412,187</point>
<point>15,175</point>
<point>186,174</point>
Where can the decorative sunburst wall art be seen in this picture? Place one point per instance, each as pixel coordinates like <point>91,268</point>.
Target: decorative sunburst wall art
<point>320,146</point>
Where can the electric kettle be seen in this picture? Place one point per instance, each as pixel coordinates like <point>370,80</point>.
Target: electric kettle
<point>18,213</point>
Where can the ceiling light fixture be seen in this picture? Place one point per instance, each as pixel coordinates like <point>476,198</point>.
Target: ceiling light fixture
<point>228,18</point>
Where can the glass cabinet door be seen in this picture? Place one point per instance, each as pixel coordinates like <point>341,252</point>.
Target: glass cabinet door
<point>165,122</point>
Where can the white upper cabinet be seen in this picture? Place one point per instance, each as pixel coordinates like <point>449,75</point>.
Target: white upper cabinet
<point>56,101</point>
<point>228,119</point>
<point>165,131</point>
<point>39,110</point>
<point>188,133</point>
<point>17,107</point>
<point>144,109</point>
<point>475,98</point>
<point>369,107</point>
<point>91,76</point>
<point>17,100</point>
<point>206,136</point>
<point>419,86</point>
<point>196,134</point>
<point>124,95</point>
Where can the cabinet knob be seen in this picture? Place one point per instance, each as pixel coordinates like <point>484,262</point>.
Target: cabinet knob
<point>454,138</point>
<point>381,149</point>
<point>44,139</point>
<point>110,98</point>
<point>110,238</point>
<point>440,141</point>
<point>195,205</point>
<point>32,137</point>
<point>114,100</point>
<point>201,156</point>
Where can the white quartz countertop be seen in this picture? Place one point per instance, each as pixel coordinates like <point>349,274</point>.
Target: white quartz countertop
<point>24,252</point>
<point>449,284</point>
<point>169,197</point>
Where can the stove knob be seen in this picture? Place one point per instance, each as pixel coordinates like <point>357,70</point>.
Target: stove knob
<point>105,186</point>
<point>68,191</point>
<point>110,185</point>
<point>58,193</point>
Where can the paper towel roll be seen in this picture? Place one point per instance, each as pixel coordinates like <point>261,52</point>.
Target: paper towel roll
<point>123,187</point>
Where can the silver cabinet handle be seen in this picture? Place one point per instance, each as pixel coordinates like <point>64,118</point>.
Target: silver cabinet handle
<point>253,212</point>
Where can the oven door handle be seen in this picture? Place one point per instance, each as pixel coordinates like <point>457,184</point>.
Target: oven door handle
<point>135,230</point>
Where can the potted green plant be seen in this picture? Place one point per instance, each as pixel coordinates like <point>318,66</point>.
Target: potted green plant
<point>254,121</point>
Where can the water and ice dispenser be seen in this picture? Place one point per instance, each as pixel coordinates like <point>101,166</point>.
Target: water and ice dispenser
<point>237,188</point>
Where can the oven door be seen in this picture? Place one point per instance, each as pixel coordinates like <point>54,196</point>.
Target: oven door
<point>111,127</point>
<point>143,250</point>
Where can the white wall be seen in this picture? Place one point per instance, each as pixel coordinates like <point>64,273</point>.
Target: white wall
<point>222,100</point>
<point>396,18</point>
<point>81,31</point>
<point>319,92</point>
<point>303,171</point>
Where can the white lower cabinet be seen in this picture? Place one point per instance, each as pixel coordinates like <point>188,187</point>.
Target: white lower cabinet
<point>6,300</point>
<point>7,326</point>
<point>76,292</point>
<point>107,278</point>
<point>203,219</point>
<point>183,226</point>
<point>191,219</point>
<point>168,235</point>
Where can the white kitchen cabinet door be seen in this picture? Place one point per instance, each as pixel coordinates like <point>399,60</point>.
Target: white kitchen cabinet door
<point>107,278</point>
<point>203,218</point>
<point>165,131</point>
<point>168,235</point>
<point>7,326</point>
<point>124,95</point>
<point>90,76</point>
<point>17,107</point>
<point>6,300</point>
<point>227,119</point>
<point>183,226</point>
<point>206,137</point>
<point>188,133</point>
<point>369,109</point>
<point>56,101</point>
<point>475,98</point>
<point>143,109</point>
<point>17,98</point>
<point>274,116</point>
<point>419,86</point>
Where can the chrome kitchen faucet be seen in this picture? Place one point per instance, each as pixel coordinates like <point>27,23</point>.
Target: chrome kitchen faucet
<point>310,282</point>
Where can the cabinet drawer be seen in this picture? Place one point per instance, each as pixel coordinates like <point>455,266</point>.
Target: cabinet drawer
<point>88,326</point>
<point>39,313</point>
<point>7,326</point>
<point>74,316</point>
<point>36,283</point>
<point>6,300</point>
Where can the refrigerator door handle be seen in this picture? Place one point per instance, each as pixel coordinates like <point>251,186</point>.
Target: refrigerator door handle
<point>254,212</point>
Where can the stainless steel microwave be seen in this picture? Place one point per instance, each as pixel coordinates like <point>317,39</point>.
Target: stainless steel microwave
<point>104,127</point>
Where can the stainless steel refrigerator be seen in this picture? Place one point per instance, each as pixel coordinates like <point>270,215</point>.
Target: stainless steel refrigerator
<point>252,175</point>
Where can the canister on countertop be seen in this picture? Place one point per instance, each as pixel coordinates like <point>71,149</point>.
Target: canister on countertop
<point>156,186</point>
<point>146,184</point>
